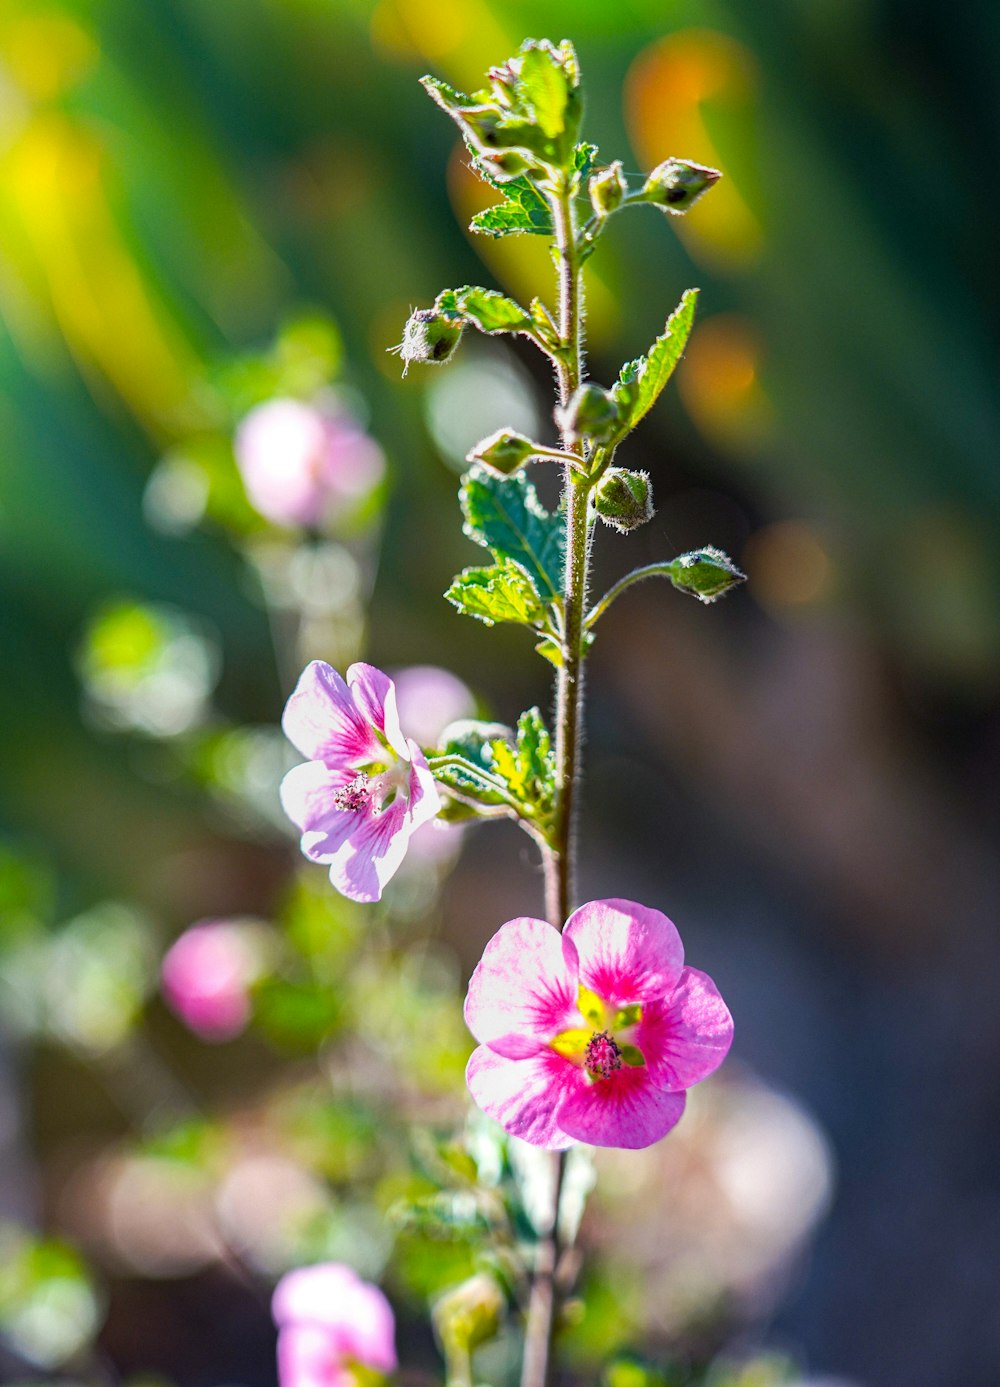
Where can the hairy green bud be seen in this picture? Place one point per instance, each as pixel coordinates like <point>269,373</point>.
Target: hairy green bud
<point>504,451</point>
<point>430,337</point>
<point>624,499</point>
<point>607,189</point>
<point>592,413</point>
<point>677,184</point>
<point>705,573</point>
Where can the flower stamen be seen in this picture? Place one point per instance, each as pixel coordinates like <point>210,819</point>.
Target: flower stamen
<point>602,1057</point>
<point>355,796</point>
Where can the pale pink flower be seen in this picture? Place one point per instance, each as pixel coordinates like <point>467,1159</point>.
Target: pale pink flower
<point>207,974</point>
<point>592,1035</point>
<point>301,464</point>
<point>428,699</point>
<point>330,1322</point>
<point>365,788</point>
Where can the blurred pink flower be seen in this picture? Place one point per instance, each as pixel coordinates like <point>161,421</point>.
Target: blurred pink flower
<point>300,464</point>
<point>206,976</point>
<point>592,1035</point>
<point>365,788</point>
<point>330,1321</point>
<point>428,699</point>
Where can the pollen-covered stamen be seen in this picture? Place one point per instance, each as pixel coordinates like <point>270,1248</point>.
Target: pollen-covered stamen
<point>356,795</point>
<point>602,1056</point>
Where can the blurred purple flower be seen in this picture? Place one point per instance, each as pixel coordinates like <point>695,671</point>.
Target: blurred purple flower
<point>300,464</point>
<point>207,974</point>
<point>592,1035</point>
<point>365,788</point>
<point>329,1322</point>
<point>428,699</point>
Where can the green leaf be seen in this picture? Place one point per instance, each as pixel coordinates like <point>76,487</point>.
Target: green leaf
<point>491,311</point>
<point>501,593</point>
<point>544,85</point>
<point>640,381</point>
<point>523,209</point>
<point>529,766</point>
<point>545,329</point>
<point>552,651</point>
<point>444,96</point>
<point>584,158</point>
<point>505,515</point>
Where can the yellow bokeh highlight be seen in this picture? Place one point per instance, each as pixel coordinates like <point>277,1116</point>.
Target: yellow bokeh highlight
<point>787,565</point>
<point>60,241</point>
<point>719,383</point>
<point>44,54</point>
<point>671,91</point>
<point>464,37</point>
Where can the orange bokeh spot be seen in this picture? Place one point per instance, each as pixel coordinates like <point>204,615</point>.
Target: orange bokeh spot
<point>787,565</point>
<point>673,90</point>
<point>719,383</point>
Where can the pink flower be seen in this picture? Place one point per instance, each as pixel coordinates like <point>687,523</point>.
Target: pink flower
<point>366,787</point>
<point>329,1322</point>
<point>592,1035</point>
<point>207,974</point>
<point>300,464</point>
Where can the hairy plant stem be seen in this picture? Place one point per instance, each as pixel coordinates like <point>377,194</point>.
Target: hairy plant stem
<point>559,857</point>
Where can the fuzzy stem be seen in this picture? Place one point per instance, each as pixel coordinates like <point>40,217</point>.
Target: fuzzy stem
<point>559,857</point>
<point>651,570</point>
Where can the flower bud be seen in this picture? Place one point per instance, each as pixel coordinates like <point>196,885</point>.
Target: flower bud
<point>430,337</point>
<point>705,573</point>
<point>469,1315</point>
<point>503,452</point>
<point>607,189</point>
<point>624,499</point>
<point>676,184</point>
<point>592,413</point>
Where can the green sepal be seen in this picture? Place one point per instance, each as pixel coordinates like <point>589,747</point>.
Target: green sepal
<point>633,1056</point>
<point>584,158</point>
<point>504,515</point>
<point>501,593</point>
<point>706,573</point>
<point>640,381</point>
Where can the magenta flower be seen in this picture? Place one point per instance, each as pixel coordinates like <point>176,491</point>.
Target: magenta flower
<point>300,464</point>
<point>330,1322</point>
<point>365,788</point>
<point>592,1035</point>
<point>207,974</point>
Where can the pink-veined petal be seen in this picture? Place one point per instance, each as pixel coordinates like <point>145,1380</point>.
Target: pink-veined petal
<point>522,986</point>
<point>308,797</point>
<point>626,951</point>
<point>374,697</point>
<point>687,1037</point>
<point>625,1110</point>
<point>368,859</point>
<point>322,721</point>
<point>424,798</point>
<point>522,1095</point>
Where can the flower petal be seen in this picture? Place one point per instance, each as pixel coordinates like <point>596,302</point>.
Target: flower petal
<point>625,1110</point>
<point>310,1355</point>
<point>425,800</point>
<point>521,985</point>
<point>521,1095</point>
<point>308,797</point>
<point>627,952</point>
<point>312,1294</point>
<point>367,860</point>
<point>321,719</point>
<point>374,696</point>
<point>687,1037</point>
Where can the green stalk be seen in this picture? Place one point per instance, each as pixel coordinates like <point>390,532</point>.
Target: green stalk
<point>559,857</point>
